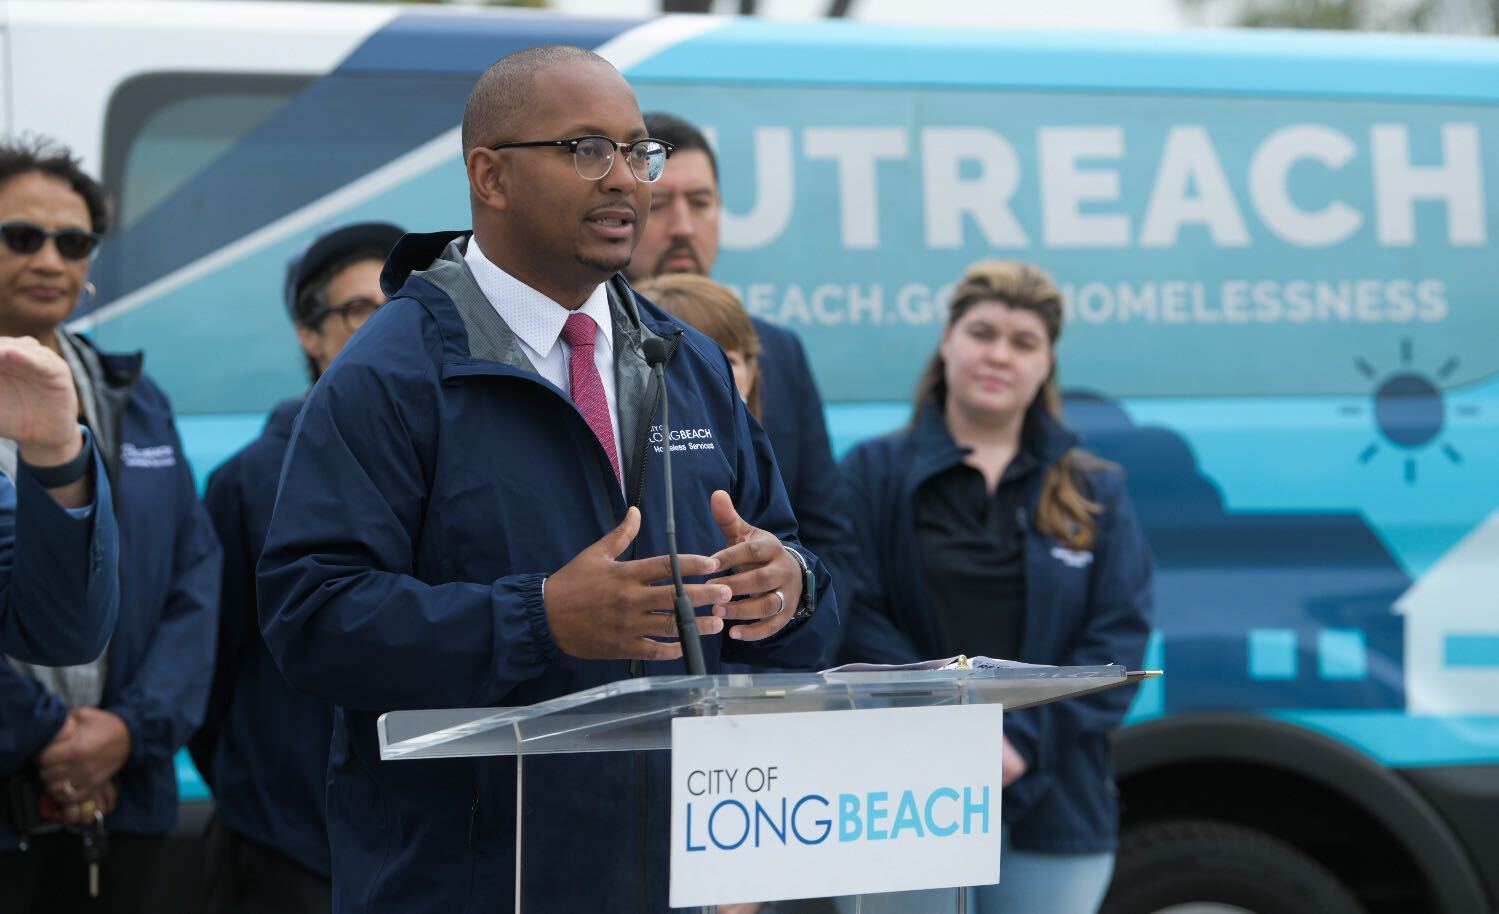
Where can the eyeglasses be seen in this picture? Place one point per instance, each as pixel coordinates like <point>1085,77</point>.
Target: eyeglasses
<point>354,312</point>
<point>593,156</point>
<point>28,237</point>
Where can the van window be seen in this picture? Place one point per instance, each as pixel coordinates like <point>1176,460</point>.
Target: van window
<point>162,129</point>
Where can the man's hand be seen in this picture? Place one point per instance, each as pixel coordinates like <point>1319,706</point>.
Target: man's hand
<point>38,402</point>
<point>82,809</point>
<point>80,760</point>
<point>764,569</point>
<point>602,609</point>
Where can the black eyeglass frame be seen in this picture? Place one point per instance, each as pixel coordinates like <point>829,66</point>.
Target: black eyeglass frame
<point>572,146</point>
<point>71,232</point>
<point>316,318</point>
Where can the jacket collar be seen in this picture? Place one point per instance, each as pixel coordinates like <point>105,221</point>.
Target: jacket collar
<point>113,378</point>
<point>934,449</point>
<point>476,340</point>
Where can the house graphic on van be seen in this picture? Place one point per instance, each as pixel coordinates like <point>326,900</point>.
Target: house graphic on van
<point>1452,629</point>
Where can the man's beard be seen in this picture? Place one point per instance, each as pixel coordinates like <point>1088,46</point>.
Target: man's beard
<point>603,264</point>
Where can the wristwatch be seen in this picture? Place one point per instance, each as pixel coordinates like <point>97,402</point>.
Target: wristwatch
<point>807,605</point>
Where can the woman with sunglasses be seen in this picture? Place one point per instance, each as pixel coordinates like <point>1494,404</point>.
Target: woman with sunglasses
<point>98,738</point>
<point>984,529</point>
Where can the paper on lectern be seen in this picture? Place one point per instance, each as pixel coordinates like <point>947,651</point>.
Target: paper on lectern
<point>960,662</point>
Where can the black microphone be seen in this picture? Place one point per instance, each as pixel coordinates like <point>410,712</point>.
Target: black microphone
<point>656,353</point>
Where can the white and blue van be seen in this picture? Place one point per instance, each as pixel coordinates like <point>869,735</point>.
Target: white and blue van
<point>1280,263</point>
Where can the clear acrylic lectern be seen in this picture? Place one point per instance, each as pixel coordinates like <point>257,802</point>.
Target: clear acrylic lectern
<point>635,715</point>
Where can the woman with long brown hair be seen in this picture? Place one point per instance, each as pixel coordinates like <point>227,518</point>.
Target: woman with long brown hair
<point>984,529</point>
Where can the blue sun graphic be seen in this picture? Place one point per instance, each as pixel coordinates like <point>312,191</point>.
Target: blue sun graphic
<point>1409,410</point>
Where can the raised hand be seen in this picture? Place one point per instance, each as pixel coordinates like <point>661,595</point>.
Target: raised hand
<point>38,402</point>
<point>602,609</point>
<point>771,579</point>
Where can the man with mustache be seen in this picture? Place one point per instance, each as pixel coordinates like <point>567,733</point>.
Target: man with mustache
<point>682,237</point>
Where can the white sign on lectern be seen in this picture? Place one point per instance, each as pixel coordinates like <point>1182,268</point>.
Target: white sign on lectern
<point>767,807</point>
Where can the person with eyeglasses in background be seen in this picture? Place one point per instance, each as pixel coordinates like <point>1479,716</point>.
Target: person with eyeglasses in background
<point>472,513</point>
<point>263,746</point>
<point>97,739</point>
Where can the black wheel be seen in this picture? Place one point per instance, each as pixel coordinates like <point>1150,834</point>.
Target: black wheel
<point>1198,866</point>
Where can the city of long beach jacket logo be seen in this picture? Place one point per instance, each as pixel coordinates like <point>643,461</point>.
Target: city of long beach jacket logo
<point>684,439</point>
<point>155,457</point>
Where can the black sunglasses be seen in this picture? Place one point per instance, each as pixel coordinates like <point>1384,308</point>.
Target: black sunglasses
<point>28,238</point>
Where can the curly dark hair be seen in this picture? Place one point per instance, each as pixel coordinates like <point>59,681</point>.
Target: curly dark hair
<point>39,154</point>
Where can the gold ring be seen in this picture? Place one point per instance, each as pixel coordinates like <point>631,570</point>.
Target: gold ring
<point>87,808</point>
<point>783,602</point>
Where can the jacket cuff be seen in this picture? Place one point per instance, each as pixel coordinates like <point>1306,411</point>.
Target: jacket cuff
<point>47,721</point>
<point>139,741</point>
<point>532,591</point>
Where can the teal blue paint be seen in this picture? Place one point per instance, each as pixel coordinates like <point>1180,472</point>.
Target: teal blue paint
<point>1342,654</point>
<point>1150,700</point>
<point>1322,473</point>
<point>190,784</point>
<point>851,423</point>
<point>1272,653</point>
<point>209,440</point>
<point>1471,651</point>
<point>1279,63</point>
<point>1393,738</point>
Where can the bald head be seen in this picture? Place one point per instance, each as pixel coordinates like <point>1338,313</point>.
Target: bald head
<point>504,96</point>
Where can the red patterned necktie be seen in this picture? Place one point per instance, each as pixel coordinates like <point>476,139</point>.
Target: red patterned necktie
<point>587,387</point>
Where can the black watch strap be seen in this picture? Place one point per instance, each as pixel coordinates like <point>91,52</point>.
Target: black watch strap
<point>64,474</point>
<point>808,603</point>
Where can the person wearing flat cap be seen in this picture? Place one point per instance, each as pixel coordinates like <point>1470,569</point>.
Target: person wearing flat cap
<point>263,747</point>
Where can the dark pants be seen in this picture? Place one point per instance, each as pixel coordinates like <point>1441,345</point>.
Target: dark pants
<point>51,877</point>
<point>249,878</point>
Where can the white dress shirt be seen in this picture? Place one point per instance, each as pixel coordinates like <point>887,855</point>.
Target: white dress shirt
<point>537,322</point>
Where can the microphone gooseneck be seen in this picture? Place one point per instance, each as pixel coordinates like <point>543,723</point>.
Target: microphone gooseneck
<point>656,354</point>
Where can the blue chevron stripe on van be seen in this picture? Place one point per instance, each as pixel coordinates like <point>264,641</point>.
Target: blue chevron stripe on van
<point>365,114</point>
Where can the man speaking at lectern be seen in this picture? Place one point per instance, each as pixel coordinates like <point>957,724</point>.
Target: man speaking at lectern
<point>471,513</point>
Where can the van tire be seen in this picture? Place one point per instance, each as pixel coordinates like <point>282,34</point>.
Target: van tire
<point>1222,867</point>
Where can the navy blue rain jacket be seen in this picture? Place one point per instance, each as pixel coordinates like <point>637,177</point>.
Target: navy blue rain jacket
<point>794,421</point>
<point>161,652</point>
<point>263,746</point>
<point>59,580</point>
<point>1082,608</point>
<point>430,487</point>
